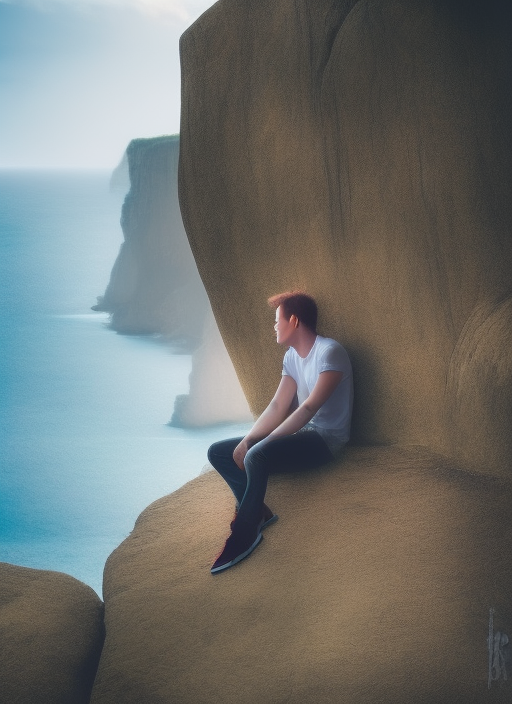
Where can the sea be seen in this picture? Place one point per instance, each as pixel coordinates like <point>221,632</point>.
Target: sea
<point>85,443</point>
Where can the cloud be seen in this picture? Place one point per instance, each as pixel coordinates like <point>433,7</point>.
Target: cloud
<point>185,11</point>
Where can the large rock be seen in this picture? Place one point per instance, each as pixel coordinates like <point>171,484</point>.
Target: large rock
<point>154,286</point>
<point>51,635</point>
<point>361,150</point>
<point>374,587</point>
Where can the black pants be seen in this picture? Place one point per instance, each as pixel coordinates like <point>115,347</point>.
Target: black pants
<point>303,450</point>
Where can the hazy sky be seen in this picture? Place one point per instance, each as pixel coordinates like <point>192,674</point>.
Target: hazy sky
<point>80,78</point>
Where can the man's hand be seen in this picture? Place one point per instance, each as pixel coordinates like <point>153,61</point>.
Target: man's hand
<point>271,418</point>
<point>240,452</point>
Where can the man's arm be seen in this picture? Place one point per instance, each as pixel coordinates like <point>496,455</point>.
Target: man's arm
<point>324,387</point>
<point>269,420</point>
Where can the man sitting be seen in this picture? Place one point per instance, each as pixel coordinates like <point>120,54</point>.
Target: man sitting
<point>304,426</point>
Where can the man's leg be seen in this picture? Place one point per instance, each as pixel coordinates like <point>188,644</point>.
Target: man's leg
<point>241,542</point>
<point>303,450</point>
<point>220,456</point>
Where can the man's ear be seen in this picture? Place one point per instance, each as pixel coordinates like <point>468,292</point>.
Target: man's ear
<point>295,320</point>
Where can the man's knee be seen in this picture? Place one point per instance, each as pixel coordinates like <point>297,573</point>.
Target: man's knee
<point>211,452</point>
<point>222,449</point>
<point>255,458</point>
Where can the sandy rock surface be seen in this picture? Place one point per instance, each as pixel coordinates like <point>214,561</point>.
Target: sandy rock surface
<point>361,150</point>
<point>374,586</point>
<point>51,635</point>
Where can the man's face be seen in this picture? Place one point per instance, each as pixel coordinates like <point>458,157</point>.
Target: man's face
<point>284,328</point>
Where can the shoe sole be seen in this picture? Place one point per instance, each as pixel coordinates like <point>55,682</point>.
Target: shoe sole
<point>263,525</point>
<point>238,558</point>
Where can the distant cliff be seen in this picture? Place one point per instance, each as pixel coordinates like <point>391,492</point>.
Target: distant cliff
<point>154,286</point>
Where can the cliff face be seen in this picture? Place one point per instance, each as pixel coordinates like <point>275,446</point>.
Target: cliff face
<point>154,285</point>
<point>361,150</point>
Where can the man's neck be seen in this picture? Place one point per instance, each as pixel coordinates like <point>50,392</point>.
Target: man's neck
<point>304,341</point>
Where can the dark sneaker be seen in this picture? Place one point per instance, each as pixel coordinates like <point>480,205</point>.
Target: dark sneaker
<point>234,518</point>
<point>240,544</point>
<point>266,520</point>
<point>268,517</point>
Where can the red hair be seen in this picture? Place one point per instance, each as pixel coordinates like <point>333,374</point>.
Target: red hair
<point>298,304</point>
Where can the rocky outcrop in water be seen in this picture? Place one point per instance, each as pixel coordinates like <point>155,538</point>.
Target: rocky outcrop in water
<point>361,150</point>
<point>51,636</point>
<point>154,286</point>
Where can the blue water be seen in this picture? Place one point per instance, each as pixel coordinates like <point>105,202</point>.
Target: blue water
<point>84,440</point>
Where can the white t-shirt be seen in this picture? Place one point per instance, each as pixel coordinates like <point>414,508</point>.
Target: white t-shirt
<point>332,420</point>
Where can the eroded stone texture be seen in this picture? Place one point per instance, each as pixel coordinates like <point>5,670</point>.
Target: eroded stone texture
<point>374,587</point>
<point>361,150</point>
<point>51,635</point>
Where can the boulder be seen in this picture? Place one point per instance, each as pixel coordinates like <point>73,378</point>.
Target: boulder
<point>374,587</point>
<point>360,150</point>
<point>51,635</point>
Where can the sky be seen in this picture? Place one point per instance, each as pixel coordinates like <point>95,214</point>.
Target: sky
<point>80,78</point>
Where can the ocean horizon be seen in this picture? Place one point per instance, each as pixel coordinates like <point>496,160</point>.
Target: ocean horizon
<point>84,435</point>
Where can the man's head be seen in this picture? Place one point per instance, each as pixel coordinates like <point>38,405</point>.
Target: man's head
<point>295,303</point>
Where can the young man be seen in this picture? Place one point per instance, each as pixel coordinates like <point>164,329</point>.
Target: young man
<point>304,426</point>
